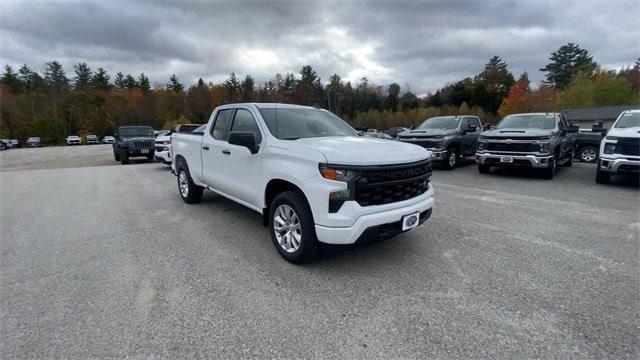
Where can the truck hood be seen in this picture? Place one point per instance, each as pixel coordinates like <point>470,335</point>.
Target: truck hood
<point>632,132</point>
<point>360,150</point>
<point>428,133</point>
<point>515,133</point>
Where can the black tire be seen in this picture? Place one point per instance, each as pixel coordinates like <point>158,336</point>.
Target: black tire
<point>549,172</point>
<point>124,157</point>
<point>450,159</point>
<point>588,154</point>
<point>150,157</point>
<point>116,156</point>
<point>308,244</point>
<point>484,169</point>
<point>569,162</point>
<point>193,192</point>
<point>603,177</point>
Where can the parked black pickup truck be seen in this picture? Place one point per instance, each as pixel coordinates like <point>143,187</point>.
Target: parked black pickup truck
<point>449,138</point>
<point>588,143</point>
<point>133,141</point>
<point>536,140</point>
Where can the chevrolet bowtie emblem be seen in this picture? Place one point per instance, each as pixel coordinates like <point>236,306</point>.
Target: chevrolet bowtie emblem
<point>509,141</point>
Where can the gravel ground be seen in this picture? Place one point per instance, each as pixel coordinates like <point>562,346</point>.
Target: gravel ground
<point>98,260</point>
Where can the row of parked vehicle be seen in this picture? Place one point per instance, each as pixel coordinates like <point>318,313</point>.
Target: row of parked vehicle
<point>89,139</point>
<point>316,180</point>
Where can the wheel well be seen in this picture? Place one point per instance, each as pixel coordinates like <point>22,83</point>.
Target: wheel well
<point>275,187</point>
<point>179,160</point>
<point>454,145</point>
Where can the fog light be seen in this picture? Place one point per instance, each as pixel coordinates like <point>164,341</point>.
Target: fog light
<point>605,163</point>
<point>543,161</point>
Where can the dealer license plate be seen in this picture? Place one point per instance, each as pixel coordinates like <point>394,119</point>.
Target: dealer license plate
<point>144,151</point>
<point>410,221</point>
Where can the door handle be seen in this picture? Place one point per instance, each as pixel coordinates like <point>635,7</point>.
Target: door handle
<point>205,147</point>
<point>226,152</point>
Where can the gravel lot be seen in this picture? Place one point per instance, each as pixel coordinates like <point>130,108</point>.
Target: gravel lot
<point>103,260</point>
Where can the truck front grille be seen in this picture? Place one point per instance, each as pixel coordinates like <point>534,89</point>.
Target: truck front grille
<point>143,144</point>
<point>387,184</point>
<point>628,146</point>
<point>514,147</point>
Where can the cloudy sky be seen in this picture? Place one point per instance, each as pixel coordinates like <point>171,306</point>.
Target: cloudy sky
<point>422,45</point>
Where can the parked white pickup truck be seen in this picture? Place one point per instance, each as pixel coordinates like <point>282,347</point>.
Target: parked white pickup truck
<point>620,148</point>
<point>308,173</point>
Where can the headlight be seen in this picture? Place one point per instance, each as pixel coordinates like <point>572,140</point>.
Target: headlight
<point>611,138</point>
<point>337,174</point>
<point>337,198</point>
<point>609,148</point>
<point>544,148</point>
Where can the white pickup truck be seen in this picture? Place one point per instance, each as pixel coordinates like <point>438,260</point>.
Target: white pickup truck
<point>620,148</point>
<point>308,173</point>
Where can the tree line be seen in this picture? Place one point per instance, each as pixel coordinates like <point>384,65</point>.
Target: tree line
<point>53,104</point>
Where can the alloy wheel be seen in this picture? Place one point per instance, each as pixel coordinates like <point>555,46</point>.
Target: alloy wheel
<point>286,226</point>
<point>183,183</point>
<point>588,155</point>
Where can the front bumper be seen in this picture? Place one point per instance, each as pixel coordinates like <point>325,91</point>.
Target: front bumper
<point>164,156</point>
<point>140,152</point>
<point>377,225</point>
<point>615,165</point>
<point>438,154</point>
<point>519,160</point>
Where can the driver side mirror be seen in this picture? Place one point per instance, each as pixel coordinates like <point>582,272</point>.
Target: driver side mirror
<point>246,139</point>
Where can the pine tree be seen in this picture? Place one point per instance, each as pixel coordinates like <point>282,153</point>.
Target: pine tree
<point>566,62</point>
<point>393,91</point>
<point>130,82</point>
<point>174,85</point>
<point>143,83</point>
<point>55,78</point>
<point>232,88</point>
<point>118,82</point>
<point>247,88</point>
<point>31,80</point>
<point>10,79</point>
<point>100,80</point>
<point>83,75</point>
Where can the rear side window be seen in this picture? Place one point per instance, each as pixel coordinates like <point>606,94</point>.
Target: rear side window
<point>244,122</point>
<point>221,126</point>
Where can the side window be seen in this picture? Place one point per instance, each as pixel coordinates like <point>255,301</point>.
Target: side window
<point>477,122</point>
<point>221,125</point>
<point>244,122</point>
<point>465,123</point>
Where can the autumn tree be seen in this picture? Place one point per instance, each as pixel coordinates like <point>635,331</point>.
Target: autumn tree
<point>565,63</point>
<point>600,89</point>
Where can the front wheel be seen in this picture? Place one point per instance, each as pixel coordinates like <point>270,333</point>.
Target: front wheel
<point>116,156</point>
<point>124,157</point>
<point>550,171</point>
<point>150,157</point>
<point>450,159</point>
<point>602,177</point>
<point>292,227</point>
<point>484,169</point>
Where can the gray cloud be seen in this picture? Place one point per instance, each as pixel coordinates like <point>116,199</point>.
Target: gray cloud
<point>420,44</point>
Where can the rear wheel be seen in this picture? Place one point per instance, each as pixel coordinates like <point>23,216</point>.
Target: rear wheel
<point>190,192</point>
<point>124,157</point>
<point>450,159</point>
<point>588,154</point>
<point>484,169</point>
<point>292,227</point>
<point>602,177</point>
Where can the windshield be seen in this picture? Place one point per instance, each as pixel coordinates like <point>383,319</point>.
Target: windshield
<point>136,131</point>
<point>531,121</point>
<point>440,122</point>
<point>629,120</point>
<point>296,123</point>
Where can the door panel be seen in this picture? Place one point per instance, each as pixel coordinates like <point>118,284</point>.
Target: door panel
<point>213,143</point>
<point>242,169</point>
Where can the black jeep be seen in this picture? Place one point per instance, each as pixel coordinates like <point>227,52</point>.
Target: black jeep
<point>133,141</point>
